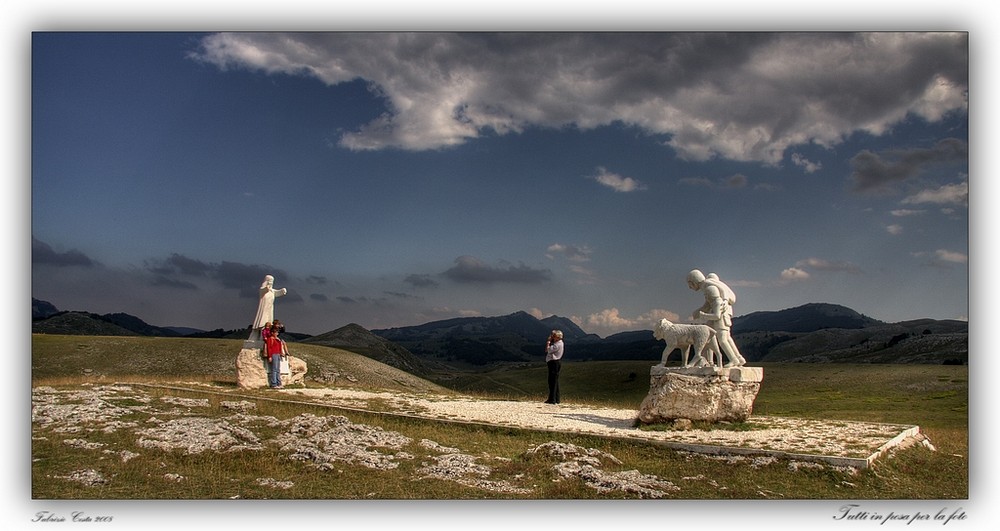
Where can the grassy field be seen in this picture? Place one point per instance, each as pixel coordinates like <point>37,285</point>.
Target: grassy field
<point>506,462</point>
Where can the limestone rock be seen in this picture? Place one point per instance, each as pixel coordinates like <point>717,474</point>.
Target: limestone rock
<point>251,369</point>
<point>700,394</point>
<point>298,368</point>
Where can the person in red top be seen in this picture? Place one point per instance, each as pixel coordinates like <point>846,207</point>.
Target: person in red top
<point>274,348</point>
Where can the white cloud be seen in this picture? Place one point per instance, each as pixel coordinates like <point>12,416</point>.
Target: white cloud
<point>942,258</point>
<point>807,165</point>
<point>820,264</point>
<point>617,182</point>
<point>894,229</point>
<point>584,276</point>
<point>574,253</point>
<point>949,194</point>
<point>780,89</point>
<point>951,256</point>
<point>610,321</point>
<point>794,274</point>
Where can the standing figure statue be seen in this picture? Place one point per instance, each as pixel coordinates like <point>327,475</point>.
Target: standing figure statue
<point>265,308</point>
<point>717,312</point>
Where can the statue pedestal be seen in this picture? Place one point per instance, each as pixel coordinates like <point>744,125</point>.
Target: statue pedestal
<point>708,394</point>
<point>253,344</point>
<point>252,369</point>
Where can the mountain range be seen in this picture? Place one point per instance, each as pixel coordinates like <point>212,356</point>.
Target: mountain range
<point>816,332</point>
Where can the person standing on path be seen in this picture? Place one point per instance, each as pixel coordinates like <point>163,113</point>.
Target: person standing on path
<point>553,358</point>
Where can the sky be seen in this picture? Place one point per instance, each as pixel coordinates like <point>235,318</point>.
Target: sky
<point>391,178</point>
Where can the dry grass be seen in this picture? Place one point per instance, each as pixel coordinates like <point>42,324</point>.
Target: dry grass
<point>98,463</point>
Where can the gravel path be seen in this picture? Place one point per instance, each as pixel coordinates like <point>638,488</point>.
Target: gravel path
<point>838,442</point>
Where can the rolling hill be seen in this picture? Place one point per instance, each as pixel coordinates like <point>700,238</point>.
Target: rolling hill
<point>805,318</point>
<point>816,333</point>
<point>355,338</point>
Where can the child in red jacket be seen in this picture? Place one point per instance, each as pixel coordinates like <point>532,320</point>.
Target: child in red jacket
<point>273,346</point>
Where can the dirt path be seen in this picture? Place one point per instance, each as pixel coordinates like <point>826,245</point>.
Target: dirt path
<point>841,443</point>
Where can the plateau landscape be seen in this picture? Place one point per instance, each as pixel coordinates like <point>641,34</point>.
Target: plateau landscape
<point>421,207</point>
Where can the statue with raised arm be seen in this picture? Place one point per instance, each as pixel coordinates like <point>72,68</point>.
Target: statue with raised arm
<point>265,308</point>
<point>717,312</point>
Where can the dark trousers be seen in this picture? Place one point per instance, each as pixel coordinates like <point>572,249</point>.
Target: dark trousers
<point>554,367</point>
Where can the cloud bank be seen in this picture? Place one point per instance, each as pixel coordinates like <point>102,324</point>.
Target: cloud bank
<point>469,269</point>
<point>779,89</point>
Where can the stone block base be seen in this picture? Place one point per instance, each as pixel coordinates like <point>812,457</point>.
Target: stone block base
<point>700,394</point>
<point>252,369</point>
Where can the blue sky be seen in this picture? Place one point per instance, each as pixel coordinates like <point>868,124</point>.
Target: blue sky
<point>394,178</point>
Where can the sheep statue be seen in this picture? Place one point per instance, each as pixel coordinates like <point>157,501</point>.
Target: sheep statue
<point>685,336</point>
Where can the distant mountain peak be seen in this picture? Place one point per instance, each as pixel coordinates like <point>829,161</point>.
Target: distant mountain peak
<point>805,318</point>
<point>41,309</point>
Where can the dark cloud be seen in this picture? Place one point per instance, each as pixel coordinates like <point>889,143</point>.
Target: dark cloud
<point>315,279</point>
<point>469,269</point>
<point>737,180</point>
<point>696,181</point>
<point>400,295</point>
<point>232,275</point>
<point>734,181</point>
<point>166,282</point>
<point>189,266</point>
<point>42,253</point>
<point>291,297</point>
<point>876,172</point>
<point>246,278</point>
<point>345,299</point>
<point>421,281</point>
<point>318,297</point>
<point>179,264</point>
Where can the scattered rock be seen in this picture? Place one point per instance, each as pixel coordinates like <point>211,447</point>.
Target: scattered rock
<point>195,435</point>
<point>81,443</point>
<point>323,441</point>
<point>241,406</point>
<point>585,464</point>
<point>186,402</point>
<point>273,483</point>
<point>88,477</point>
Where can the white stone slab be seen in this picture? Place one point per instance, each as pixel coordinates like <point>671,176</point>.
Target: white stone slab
<point>746,374</point>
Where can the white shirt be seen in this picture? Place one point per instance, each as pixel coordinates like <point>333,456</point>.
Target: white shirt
<point>555,351</point>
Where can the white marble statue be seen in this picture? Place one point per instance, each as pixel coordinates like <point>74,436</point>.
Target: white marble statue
<point>265,308</point>
<point>702,338</point>
<point>717,312</point>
